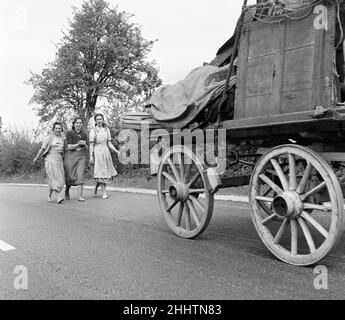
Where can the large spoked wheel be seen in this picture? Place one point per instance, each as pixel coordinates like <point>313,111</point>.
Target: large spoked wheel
<point>306,209</point>
<point>185,201</point>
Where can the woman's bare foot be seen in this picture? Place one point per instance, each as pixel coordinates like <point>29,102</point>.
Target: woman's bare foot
<point>59,199</point>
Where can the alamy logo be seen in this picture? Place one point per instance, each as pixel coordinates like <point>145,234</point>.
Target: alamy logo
<point>321,20</point>
<point>21,280</point>
<point>321,280</point>
<point>20,18</point>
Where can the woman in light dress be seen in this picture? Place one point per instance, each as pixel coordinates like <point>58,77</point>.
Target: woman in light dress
<point>100,143</point>
<point>52,150</point>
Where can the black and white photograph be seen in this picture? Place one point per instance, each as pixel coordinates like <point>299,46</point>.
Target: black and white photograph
<point>172,156</point>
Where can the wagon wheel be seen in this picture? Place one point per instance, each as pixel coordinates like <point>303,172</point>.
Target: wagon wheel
<point>180,183</point>
<point>306,231</point>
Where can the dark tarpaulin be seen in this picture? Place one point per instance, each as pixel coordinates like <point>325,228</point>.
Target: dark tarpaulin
<point>176,106</point>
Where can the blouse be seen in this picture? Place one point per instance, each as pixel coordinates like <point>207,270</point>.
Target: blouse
<point>73,137</point>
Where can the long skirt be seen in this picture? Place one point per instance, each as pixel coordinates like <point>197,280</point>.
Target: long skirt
<point>104,168</point>
<point>55,172</point>
<point>75,163</point>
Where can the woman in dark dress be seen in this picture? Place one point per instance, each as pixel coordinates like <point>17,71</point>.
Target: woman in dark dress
<point>75,158</point>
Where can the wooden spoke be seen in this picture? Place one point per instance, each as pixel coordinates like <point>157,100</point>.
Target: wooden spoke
<point>194,213</point>
<point>195,179</point>
<point>265,199</point>
<point>181,164</point>
<point>173,167</point>
<point>267,220</point>
<point>281,231</point>
<point>197,203</point>
<point>271,171</point>
<point>270,183</point>
<point>187,172</point>
<point>292,172</point>
<point>319,207</point>
<point>307,235</point>
<point>294,237</point>
<point>179,215</point>
<point>280,174</point>
<point>315,224</point>
<point>317,189</point>
<point>169,177</point>
<point>191,191</point>
<point>301,188</point>
<point>173,205</point>
<point>267,191</point>
<point>187,218</point>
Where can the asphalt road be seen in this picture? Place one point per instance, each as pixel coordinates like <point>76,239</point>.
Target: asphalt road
<point>121,248</point>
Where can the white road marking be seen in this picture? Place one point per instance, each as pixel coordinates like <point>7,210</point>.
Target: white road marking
<point>5,246</point>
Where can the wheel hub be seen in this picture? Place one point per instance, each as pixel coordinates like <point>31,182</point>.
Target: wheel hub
<point>288,205</point>
<point>179,192</point>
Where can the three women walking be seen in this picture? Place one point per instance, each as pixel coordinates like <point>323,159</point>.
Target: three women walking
<point>65,159</point>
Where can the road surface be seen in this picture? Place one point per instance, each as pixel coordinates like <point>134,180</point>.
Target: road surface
<point>121,248</point>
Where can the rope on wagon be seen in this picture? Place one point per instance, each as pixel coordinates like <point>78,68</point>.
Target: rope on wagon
<point>277,9</point>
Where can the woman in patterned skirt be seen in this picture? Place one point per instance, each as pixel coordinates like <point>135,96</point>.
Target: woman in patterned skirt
<point>53,149</point>
<point>75,158</point>
<point>100,143</point>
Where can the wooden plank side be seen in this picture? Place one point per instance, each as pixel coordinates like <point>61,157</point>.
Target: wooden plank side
<point>329,87</point>
<point>240,99</point>
<point>256,71</point>
<point>285,67</point>
<point>260,80</point>
<point>279,69</point>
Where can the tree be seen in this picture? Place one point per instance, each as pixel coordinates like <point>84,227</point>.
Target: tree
<point>103,56</point>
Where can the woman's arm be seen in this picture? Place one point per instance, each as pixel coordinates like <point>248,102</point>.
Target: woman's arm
<point>39,153</point>
<point>111,147</point>
<point>70,142</point>
<point>92,139</point>
<point>43,148</point>
<point>73,146</point>
<point>92,147</point>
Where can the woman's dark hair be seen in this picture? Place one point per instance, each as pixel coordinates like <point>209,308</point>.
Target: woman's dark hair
<point>99,115</point>
<point>75,120</point>
<point>57,124</point>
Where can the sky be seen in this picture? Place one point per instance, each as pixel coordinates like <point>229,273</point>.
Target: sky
<point>189,32</point>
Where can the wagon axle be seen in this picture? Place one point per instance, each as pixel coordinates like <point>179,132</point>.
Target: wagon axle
<point>288,205</point>
<point>179,192</point>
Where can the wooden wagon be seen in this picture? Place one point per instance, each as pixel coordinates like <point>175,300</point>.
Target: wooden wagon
<point>287,136</point>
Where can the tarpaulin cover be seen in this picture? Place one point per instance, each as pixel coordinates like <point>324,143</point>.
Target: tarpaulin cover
<point>175,106</point>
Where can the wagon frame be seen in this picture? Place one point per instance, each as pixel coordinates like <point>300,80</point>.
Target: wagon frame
<point>289,120</point>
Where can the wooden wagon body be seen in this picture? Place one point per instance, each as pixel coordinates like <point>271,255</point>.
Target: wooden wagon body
<point>288,128</point>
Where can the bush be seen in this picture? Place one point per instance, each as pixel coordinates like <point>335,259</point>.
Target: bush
<point>18,147</point>
<point>17,150</point>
